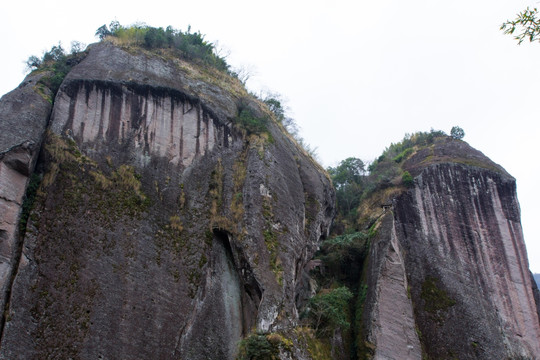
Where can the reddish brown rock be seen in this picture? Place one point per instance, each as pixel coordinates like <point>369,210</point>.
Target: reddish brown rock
<point>449,266</point>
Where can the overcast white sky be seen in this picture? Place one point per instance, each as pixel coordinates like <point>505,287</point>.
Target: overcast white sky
<point>357,75</point>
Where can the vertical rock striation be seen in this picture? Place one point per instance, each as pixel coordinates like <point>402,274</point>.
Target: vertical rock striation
<point>24,113</point>
<point>461,256</point>
<point>467,238</point>
<point>388,305</point>
<point>161,229</point>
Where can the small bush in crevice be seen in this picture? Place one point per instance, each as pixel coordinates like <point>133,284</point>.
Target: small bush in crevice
<point>262,346</point>
<point>407,179</point>
<point>251,123</point>
<point>343,257</point>
<point>329,310</point>
<point>28,202</point>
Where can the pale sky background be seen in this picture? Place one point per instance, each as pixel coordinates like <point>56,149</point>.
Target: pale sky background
<point>357,75</point>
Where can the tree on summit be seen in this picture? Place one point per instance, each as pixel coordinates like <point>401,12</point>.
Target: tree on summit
<point>457,133</point>
<point>102,32</point>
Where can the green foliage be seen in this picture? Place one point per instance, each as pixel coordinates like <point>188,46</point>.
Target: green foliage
<point>403,155</point>
<point>388,167</point>
<point>155,38</point>
<point>261,346</point>
<point>343,257</point>
<point>274,104</point>
<point>457,133</point>
<point>353,183</point>
<point>250,122</point>
<point>527,25</point>
<point>329,310</point>
<point>33,62</point>
<point>348,171</point>
<point>435,298</point>
<point>394,151</point>
<point>28,202</point>
<point>102,32</point>
<point>347,178</point>
<point>57,62</point>
<point>188,45</point>
<point>407,179</point>
<point>56,53</point>
<point>256,347</point>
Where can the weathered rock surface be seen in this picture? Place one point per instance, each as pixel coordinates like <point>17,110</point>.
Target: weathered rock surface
<point>161,230</point>
<point>24,113</point>
<point>461,255</point>
<point>388,305</point>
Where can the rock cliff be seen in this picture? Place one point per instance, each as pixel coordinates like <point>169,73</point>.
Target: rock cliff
<point>24,116</point>
<point>151,208</point>
<point>162,228</point>
<point>449,272</point>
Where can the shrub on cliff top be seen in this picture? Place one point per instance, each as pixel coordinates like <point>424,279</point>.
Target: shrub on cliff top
<point>457,133</point>
<point>189,45</point>
<point>57,62</point>
<point>394,151</point>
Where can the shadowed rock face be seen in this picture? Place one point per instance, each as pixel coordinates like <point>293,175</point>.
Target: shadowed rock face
<point>160,229</point>
<point>24,113</point>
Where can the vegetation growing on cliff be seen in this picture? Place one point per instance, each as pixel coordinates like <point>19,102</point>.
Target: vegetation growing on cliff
<point>28,202</point>
<point>187,45</point>
<point>360,193</point>
<point>55,63</point>
<point>263,346</point>
<point>436,299</point>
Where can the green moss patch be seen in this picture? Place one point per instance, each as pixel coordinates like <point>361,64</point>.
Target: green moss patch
<point>435,298</point>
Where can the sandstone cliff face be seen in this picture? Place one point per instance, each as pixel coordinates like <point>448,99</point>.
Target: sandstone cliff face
<point>161,229</point>
<point>453,252</point>
<point>24,115</point>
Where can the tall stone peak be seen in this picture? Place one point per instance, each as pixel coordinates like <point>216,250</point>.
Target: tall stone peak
<point>162,226</point>
<point>448,274</point>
